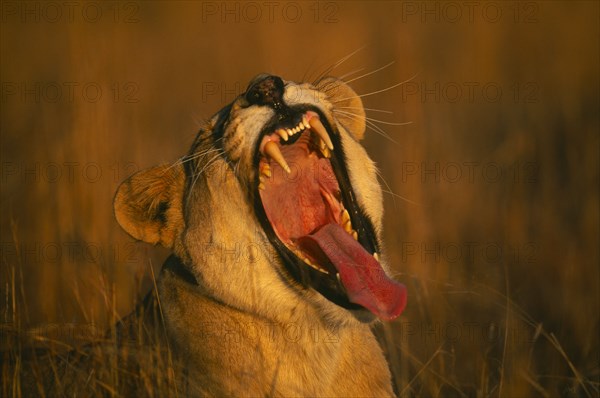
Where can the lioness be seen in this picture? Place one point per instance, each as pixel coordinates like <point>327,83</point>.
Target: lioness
<point>274,218</point>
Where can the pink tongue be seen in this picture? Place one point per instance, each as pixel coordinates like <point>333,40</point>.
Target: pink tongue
<point>362,276</point>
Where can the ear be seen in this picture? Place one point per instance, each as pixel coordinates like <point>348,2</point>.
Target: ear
<point>148,205</point>
<point>343,97</point>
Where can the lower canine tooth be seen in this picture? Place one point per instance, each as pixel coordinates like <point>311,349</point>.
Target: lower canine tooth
<point>348,227</point>
<point>345,216</point>
<point>273,151</point>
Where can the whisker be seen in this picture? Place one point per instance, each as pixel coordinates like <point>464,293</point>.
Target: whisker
<point>370,73</point>
<point>308,72</point>
<point>211,161</point>
<point>402,197</point>
<point>374,120</point>
<point>373,127</point>
<point>379,91</point>
<point>195,178</point>
<point>350,74</point>
<point>380,175</point>
<point>336,64</point>
<point>370,124</point>
<point>198,174</point>
<point>366,109</point>
<point>200,154</point>
<point>388,123</point>
<point>189,158</point>
<point>379,131</point>
<point>177,162</point>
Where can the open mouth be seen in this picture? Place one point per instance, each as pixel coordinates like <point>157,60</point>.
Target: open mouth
<point>307,206</point>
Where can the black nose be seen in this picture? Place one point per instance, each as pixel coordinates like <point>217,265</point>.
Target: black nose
<point>266,90</point>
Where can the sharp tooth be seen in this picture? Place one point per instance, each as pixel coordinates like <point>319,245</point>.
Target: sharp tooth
<point>305,122</point>
<point>345,216</point>
<point>308,262</point>
<point>289,132</point>
<point>300,126</point>
<point>318,128</point>
<point>316,267</point>
<point>265,169</point>
<point>348,227</point>
<point>296,129</point>
<point>355,235</point>
<point>273,151</point>
<point>376,256</point>
<point>337,275</point>
<point>324,150</point>
<point>282,134</point>
<point>261,186</point>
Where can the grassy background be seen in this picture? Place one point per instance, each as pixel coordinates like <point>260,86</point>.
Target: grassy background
<point>493,221</point>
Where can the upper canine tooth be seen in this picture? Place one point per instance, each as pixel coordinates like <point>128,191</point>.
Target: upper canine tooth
<point>273,151</point>
<point>282,134</point>
<point>355,235</point>
<point>376,256</point>
<point>318,128</point>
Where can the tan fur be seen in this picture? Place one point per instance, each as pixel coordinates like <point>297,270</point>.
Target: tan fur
<point>243,329</point>
<point>138,201</point>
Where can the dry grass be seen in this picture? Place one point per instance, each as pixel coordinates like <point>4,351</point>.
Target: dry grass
<point>502,274</point>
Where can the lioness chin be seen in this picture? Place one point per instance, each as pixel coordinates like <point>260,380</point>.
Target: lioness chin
<point>274,219</point>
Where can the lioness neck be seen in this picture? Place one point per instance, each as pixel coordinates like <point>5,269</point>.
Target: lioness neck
<point>261,357</point>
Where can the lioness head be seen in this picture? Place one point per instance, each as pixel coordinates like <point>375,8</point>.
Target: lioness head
<point>276,209</point>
